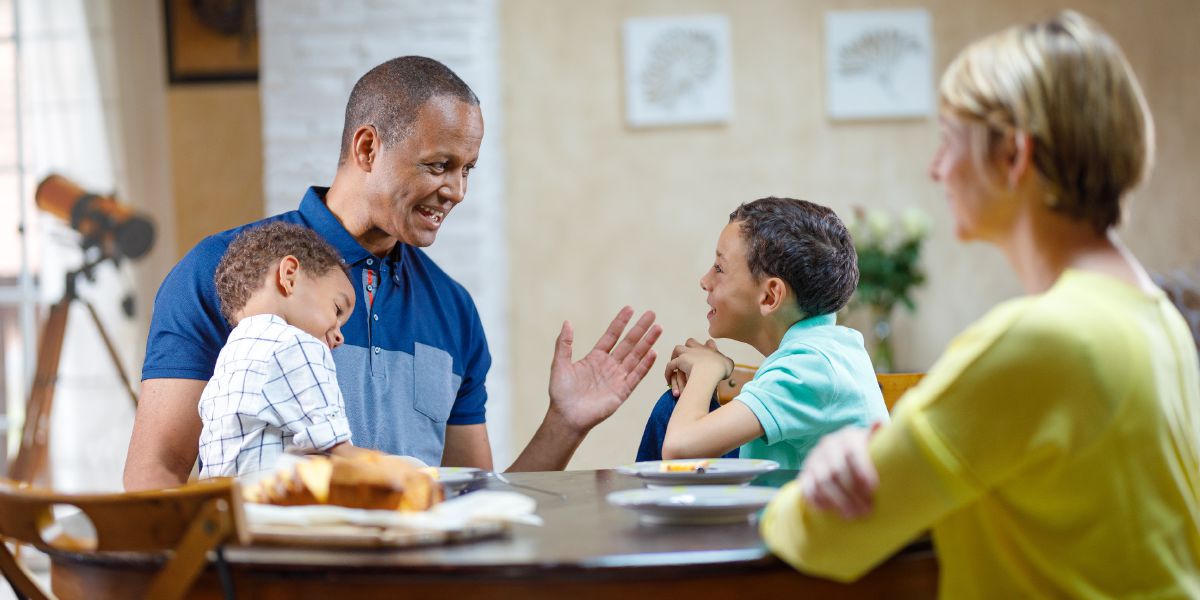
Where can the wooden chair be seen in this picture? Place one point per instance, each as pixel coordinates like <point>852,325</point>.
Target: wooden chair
<point>188,521</point>
<point>893,385</point>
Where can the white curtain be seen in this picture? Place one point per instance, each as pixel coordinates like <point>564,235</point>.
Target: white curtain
<point>91,112</point>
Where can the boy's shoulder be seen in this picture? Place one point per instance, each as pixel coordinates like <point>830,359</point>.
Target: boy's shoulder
<point>263,336</point>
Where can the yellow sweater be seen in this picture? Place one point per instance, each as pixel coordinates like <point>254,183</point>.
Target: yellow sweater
<point>1054,450</point>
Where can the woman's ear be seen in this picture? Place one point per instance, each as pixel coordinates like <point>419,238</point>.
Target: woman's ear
<point>1018,153</point>
<point>286,273</point>
<point>774,293</point>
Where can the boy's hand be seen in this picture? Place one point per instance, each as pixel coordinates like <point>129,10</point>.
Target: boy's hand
<point>693,355</point>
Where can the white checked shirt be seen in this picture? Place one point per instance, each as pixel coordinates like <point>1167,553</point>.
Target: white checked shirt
<point>274,388</point>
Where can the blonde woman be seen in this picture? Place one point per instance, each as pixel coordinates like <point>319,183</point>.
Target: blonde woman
<point>1054,449</point>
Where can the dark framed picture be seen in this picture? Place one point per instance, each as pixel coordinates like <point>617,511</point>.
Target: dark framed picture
<point>211,41</point>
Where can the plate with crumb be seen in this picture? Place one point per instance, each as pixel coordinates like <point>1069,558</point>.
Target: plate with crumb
<point>716,471</point>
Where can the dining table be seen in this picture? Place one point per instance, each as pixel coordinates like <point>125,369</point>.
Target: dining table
<point>585,548</point>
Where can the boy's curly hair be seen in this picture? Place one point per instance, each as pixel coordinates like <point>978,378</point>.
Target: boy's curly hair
<point>256,249</point>
<point>804,244</point>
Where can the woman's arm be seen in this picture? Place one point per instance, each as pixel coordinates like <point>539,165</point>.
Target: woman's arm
<point>910,497</point>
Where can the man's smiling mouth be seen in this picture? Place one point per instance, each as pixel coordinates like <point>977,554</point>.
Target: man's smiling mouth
<point>434,215</point>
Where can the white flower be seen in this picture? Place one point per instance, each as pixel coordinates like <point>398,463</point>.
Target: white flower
<point>879,223</point>
<point>914,223</point>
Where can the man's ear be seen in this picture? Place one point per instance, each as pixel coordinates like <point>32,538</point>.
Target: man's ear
<point>364,147</point>
<point>774,293</point>
<point>286,273</point>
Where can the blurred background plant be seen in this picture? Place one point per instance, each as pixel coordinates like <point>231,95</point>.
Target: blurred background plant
<point>889,271</point>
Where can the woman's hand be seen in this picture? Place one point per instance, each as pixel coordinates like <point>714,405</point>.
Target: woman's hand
<point>693,354</point>
<point>838,473</point>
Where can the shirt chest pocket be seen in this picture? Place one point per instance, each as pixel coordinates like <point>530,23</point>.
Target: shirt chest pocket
<point>434,383</point>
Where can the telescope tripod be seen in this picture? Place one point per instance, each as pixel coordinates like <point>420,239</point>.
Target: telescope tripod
<point>29,465</point>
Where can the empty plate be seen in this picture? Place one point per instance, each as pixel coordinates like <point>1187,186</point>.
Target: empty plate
<point>694,504</point>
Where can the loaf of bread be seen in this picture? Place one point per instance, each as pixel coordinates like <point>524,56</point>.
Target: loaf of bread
<point>367,480</point>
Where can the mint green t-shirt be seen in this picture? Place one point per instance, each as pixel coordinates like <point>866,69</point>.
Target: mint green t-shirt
<point>819,380</point>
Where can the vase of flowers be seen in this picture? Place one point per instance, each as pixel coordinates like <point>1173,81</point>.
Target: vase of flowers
<point>889,270</point>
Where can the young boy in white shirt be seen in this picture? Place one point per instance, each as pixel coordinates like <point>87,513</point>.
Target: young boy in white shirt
<point>274,388</point>
<point>783,269</point>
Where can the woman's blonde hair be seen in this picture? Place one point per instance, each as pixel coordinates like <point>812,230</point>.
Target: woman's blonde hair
<point>1066,84</point>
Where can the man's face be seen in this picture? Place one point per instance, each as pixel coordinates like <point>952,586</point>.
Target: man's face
<point>414,183</point>
<point>733,293</point>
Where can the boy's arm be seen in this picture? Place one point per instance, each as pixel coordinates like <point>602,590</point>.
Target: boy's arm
<point>694,432</point>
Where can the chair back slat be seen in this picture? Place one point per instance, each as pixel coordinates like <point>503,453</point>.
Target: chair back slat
<point>134,522</point>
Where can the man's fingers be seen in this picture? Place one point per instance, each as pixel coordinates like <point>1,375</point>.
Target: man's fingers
<point>613,333</point>
<point>634,336</point>
<point>640,371</point>
<point>562,346</point>
<point>640,349</point>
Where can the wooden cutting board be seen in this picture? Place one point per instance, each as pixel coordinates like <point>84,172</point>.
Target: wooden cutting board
<point>360,536</point>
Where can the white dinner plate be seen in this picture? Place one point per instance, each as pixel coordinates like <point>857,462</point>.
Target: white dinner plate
<point>690,505</point>
<point>454,479</point>
<point>722,471</point>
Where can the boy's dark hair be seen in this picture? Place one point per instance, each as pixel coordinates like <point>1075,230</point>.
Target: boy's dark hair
<point>256,249</point>
<point>390,96</point>
<point>804,244</point>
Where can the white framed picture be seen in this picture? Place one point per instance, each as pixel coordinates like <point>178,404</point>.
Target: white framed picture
<point>878,64</point>
<point>677,70</point>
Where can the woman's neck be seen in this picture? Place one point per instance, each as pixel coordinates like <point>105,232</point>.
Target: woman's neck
<point>1045,243</point>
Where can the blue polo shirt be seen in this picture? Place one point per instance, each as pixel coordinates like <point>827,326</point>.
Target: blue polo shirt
<point>415,356</point>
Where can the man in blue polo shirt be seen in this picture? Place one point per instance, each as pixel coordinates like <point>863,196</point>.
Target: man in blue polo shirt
<point>415,357</point>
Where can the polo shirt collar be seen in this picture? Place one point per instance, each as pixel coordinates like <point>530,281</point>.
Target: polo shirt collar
<point>322,221</point>
<point>800,326</point>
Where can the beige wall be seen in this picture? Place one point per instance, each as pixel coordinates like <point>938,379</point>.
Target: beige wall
<point>216,158</point>
<point>602,215</point>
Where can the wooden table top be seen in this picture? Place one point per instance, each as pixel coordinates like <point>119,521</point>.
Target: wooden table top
<point>586,549</point>
<point>582,531</point>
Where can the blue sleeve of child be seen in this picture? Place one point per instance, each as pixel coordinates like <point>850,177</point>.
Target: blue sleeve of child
<point>303,397</point>
<point>790,396</point>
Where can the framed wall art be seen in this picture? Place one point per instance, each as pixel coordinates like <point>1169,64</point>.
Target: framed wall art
<point>211,40</point>
<point>677,70</point>
<point>878,64</point>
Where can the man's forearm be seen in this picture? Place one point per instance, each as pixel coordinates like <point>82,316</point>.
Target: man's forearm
<point>551,448</point>
<point>152,476</point>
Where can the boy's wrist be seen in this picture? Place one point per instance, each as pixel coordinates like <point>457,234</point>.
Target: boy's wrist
<point>709,372</point>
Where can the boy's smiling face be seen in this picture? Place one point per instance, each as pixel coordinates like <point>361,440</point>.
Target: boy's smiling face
<point>733,293</point>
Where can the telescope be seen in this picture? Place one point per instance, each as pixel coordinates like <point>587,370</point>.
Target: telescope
<point>118,232</point>
<point>116,229</point>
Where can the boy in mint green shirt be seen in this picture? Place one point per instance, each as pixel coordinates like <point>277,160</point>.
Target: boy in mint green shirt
<point>783,269</point>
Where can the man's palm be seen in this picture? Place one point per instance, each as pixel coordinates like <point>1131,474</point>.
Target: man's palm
<point>589,391</point>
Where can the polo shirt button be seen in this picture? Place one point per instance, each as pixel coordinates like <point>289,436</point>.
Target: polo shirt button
<point>370,288</point>
<point>376,317</point>
<point>376,349</point>
<point>370,261</point>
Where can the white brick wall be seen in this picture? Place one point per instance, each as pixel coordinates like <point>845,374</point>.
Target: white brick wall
<point>312,53</point>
